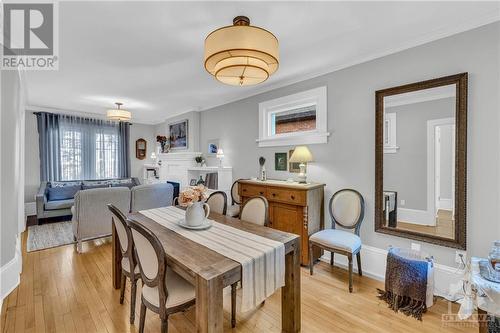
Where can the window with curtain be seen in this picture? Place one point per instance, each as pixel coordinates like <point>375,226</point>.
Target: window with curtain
<point>76,148</point>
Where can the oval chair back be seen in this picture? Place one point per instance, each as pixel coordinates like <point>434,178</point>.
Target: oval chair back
<point>218,202</point>
<point>151,260</point>
<point>347,209</point>
<point>235,194</point>
<point>124,235</point>
<point>255,210</point>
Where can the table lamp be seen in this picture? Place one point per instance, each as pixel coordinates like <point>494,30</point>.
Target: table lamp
<point>220,156</point>
<point>302,155</point>
<point>153,157</point>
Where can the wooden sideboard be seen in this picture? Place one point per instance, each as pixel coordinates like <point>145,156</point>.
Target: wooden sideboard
<point>293,207</point>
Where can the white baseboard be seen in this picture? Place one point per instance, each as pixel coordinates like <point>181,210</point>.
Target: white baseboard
<point>29,208</point>
<point>416,216</point>
<point>373,263</point>
<point>10,273</point>
<point>445,204</point>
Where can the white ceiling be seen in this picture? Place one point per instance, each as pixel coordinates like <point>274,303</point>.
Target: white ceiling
<point>149,55</point>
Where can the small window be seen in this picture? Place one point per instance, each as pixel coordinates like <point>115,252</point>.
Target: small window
<point>294,119</point>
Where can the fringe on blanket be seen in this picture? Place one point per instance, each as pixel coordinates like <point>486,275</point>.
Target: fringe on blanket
<point>404,304</point>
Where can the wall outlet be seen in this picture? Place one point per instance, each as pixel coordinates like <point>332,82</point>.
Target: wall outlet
<point>415,246</point>
<point>459,255</point>
<point>403,202</point>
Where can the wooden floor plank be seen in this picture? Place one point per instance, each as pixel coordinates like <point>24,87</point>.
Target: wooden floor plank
<point>62,291</point>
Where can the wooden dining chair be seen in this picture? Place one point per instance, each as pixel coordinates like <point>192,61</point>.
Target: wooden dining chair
<point>347,209</point>
<point>234,209</point>
<point>128,262</point>
<point>255,210</point>
<point>163,291</point>
<point>217,202</point>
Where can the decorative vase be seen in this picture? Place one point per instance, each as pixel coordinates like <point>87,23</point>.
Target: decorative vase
<point>262,173</point>
<point>196,213</point>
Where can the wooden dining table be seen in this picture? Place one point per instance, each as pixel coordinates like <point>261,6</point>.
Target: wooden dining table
<point>210,272</point>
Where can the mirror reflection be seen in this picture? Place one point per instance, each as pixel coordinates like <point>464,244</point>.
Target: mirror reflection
<point>419,161</point>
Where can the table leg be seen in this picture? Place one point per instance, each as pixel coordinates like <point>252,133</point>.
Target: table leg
<point>209,306</point>
<point>116,259</point>
<point>290,293</point>
<point>483,325</point>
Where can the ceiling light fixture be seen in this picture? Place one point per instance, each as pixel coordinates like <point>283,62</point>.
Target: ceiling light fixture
<point>241,54</point>
<point>119,114</point>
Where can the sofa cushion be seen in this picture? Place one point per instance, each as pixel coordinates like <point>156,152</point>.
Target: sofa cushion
<point>129,185</point>
<point>62,192</point>
<point>120,181</point>
<point>59,204</point>
<point>65,183</point>
<point>90,184</point>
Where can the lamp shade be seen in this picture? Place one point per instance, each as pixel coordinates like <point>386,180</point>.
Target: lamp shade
<point>118,114</point>
<point>241,54</point>
<point>220,153</point>
<point>301,154</point>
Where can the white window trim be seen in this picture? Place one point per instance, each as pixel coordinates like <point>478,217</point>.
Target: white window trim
<point>390,146</point>
<point>315,96</point>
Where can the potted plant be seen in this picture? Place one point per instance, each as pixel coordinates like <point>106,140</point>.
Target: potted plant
<point>162,139</point>
<point>199,160</point>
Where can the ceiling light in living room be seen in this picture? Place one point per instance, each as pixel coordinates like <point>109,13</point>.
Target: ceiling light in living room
<point>119,114</point>
<point>241,54</point>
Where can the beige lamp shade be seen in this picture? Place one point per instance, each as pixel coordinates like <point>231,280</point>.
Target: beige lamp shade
<point>241,54</point>
<point>220,153</point>
<point>301,154</point>
<point>119,114</point>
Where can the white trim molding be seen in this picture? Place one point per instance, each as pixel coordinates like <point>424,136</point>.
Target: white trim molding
<point>314,97</point>
<point>10,273</point>
<point>373,263</point>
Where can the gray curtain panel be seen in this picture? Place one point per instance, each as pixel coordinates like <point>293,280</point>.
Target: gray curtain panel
<point>78,148</point>
<point>124,150</point>
<point>49,148</point>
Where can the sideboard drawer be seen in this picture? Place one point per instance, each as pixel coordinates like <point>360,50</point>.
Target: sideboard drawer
<point>251,190</point>
<point>294,197</point>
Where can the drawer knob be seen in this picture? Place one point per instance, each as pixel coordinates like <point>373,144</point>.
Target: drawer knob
<point>293,197</point>
<point>261,193</point>
<point>274,194</point>
<point>244,190</point>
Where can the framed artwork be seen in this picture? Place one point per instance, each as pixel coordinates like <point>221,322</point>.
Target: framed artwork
<point>192,182</point>
<point>292,167</point>
<point>212,147</point>
<point>280,160</point>
<point>178,135</point>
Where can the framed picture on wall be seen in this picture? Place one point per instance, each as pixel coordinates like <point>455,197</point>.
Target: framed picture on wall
<point>280,160</point>
<point>212,147</point>
<point>178,135</point>
<point>292,167</point>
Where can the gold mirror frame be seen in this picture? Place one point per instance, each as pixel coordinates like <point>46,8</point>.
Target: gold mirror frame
<point>460,80</point>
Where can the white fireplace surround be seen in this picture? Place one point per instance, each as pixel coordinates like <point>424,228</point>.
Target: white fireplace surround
<point>174,166</point>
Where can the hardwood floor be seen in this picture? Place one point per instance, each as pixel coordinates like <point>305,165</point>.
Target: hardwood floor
<point>61,291</point>
<point>445,225</point>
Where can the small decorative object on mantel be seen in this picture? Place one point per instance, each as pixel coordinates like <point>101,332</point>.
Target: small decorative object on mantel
<point>199,160</point>
<point>200,181</point>
<point>280,161</point>
<point>162,139</point>
<point>409,282</point>
<point>262,172</point>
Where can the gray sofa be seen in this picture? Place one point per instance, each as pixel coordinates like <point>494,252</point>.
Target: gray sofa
<point>92,218</point>
<point>56,198</point>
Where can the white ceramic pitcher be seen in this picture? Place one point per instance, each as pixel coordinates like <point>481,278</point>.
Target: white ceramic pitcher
<point>196,213</point>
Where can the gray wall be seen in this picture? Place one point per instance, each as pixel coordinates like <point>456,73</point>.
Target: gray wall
<point>348,159</point>
<point>148,133</point>
<point>406,170</point>
<point>12,163</point>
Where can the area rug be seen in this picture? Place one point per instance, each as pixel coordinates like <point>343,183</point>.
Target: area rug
<point>50,235</point>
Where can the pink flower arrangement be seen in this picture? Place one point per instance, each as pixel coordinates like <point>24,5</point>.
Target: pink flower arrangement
<point>192,194</point>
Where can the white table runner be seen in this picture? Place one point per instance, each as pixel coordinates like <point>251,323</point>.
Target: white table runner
<point>262,259</point>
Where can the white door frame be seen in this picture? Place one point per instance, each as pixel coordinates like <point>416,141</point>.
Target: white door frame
<point>431,164</point>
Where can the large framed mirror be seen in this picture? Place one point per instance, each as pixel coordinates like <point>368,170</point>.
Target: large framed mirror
<point>421,160</point>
